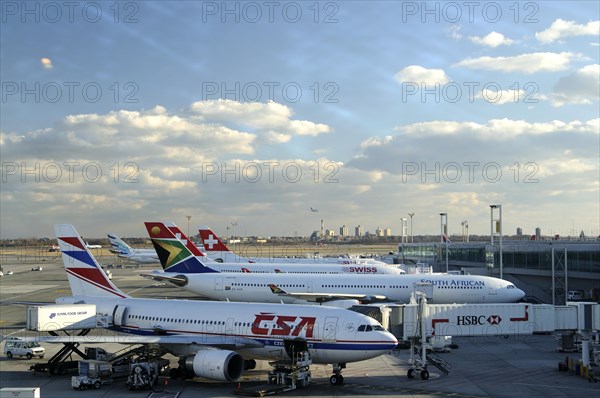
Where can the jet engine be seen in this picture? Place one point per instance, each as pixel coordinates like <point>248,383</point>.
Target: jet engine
<point>216,364</point>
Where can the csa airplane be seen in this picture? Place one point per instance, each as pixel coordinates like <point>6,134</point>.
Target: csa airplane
<point>214,339</point>
<point>339,289</point>
<point>124,251</point>
<point>217,250</point>
<point>283,267</point>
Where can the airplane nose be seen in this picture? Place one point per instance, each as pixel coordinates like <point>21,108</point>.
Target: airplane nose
<point>391,339</point>
<point>519,294</point>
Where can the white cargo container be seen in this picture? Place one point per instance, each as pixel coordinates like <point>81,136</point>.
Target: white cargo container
<point>24,392</point>
<point>61,317</point>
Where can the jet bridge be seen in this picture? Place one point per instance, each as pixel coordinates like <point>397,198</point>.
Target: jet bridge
<point>416,322</point>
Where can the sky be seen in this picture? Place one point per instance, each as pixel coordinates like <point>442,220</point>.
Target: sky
<point>245,115</point>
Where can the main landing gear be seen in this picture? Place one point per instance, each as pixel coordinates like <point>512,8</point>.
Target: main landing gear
<point>337,379</point>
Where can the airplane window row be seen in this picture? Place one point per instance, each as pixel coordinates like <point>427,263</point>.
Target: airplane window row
<point>356,286</point>
<point>460,287</point>
<point>160,319</point>
<point>264,285</point>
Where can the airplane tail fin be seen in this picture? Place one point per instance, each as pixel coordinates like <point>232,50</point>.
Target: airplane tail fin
<point>85,275</point>
<point>117,245</point>
<point>174,255</point>
<point>184,239</point>
<point>211,242</point>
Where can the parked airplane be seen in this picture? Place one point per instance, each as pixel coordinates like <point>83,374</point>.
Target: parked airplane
<point>282,267</point>
<point>217,250</point>
<point>334,289</point>
<point>123,250</point>
<point>212,339</point>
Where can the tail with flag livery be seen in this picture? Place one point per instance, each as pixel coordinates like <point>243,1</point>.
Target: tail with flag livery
<point>174,254</point>
<point>85,275</point>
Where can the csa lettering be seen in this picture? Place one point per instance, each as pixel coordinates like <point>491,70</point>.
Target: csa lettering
<point>282,325</point>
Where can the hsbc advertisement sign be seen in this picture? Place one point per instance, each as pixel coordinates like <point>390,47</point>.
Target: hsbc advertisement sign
<point>471,320</point>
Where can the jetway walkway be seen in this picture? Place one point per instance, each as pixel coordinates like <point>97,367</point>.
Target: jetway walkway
<point>418,321</point>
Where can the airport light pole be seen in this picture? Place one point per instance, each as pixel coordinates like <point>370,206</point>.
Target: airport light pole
<point>497,230</point>
<point>444,233</point>
<point>233,225</point>
<point>411,230</point>
<point>189,217</point>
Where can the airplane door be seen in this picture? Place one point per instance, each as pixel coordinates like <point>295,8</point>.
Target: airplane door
<point>218,284</point>
<point>309,287</point>
<point>330,329</point>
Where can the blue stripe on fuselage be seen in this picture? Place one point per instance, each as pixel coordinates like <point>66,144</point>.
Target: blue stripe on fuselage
<point>357,346</point>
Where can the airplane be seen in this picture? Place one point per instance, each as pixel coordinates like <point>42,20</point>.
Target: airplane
<point>337,289</point>
<point>123,250</point>
<point>216,340</point>
<point>314,210</point>
<point>283,267</point>
<point>217,250</point>
<point>93,246</point>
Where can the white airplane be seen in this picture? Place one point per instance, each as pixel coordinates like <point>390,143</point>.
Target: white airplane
<point>123,250</point>
<point>217,250</point>
<point>282,267</point>
<point>213,339</point>
<point>337,289</point>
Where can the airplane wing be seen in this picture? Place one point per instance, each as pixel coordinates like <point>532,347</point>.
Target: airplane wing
<point>324,297</point>
<point>225,342</point>
<point>178,280</point>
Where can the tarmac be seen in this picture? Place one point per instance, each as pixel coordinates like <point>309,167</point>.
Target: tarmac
<point>519,366</point>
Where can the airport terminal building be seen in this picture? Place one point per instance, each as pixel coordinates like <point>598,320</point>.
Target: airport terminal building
<point>546,269</point>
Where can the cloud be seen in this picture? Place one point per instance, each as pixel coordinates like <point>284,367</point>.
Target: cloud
<point>581,87</point>
<point>561,29</point>
<point>493,39</point>
<point>420,75</point>
<point>497,129</point>
<point>526,63</point>
<point>270,116</point>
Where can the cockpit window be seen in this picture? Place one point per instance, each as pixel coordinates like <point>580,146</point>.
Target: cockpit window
<point>369,328</point>
<point>511,287</point>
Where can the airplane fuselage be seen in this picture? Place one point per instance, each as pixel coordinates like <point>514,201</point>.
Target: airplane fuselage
<point>332,334</point>
<point>396,288</point>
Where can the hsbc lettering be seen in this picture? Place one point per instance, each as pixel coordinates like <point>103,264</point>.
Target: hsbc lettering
<point>282,325</point>
<point>470,320</point>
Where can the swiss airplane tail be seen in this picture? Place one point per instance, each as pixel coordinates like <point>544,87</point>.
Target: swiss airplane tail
<point>184,239</point>
<point>85,275</point>
<point>211,242</point>
<point>174,255</point>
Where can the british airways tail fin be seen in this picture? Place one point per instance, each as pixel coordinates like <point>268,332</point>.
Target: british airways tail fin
<point>85,275</point>
<point>117,245</point>
<point>173,254</point>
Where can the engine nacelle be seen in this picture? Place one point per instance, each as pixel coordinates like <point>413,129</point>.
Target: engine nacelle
<point>216,364</point>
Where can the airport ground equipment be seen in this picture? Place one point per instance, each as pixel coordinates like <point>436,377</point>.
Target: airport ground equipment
<point>15,347</point>
<point>143,373</point>
<point>92,374</point>
<point>287,375</point>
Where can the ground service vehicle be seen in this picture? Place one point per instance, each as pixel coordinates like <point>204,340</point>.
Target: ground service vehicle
<point>16,347</point>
